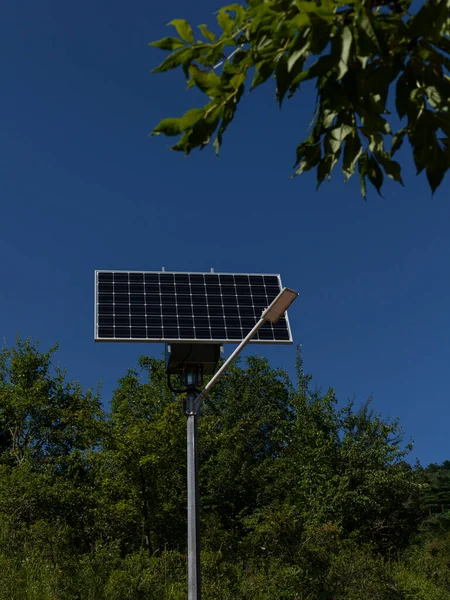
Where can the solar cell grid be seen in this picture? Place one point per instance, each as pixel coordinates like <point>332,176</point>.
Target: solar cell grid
<point>192,307</point>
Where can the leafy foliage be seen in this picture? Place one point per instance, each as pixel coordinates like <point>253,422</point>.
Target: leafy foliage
<point>365,56</point>
<point>301,498</point>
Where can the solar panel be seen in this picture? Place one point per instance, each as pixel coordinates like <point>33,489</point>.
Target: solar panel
<point>152,306</point>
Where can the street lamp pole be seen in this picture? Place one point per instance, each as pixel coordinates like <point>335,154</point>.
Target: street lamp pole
<point>194,577</point>
<point>193,401</point>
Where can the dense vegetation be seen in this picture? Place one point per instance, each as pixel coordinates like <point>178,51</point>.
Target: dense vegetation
<point>301,498</point>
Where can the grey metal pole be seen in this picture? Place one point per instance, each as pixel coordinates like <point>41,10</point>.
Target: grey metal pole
<point>193,402</point>
<point>194,579</point>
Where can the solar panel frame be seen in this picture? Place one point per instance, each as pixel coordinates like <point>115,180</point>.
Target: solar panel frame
<point>204,308</point>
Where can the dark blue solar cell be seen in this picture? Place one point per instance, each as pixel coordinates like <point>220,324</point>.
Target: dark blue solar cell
<point>153,321</point>
<point>234,333</point>
<point>182,289</point>
<point>136,277</point>
<point>138,320</point>
<point>105,288</point>
<point>105,332</point>
<point>106,320</point>
<point>169,322</point>
<point>138,332</point>
<point>121,309</point>
<point>122,320</point>
<point>171,333</point>
<point>265,334</point>
<point>226,279</point>
<point>154,332</point>
<point>187,333</point>
<point>197,279</point>
<point>166,278</point>
<point>202,334</point>
<point>137,309</point>
<point>218,333</point>
<point>152,278</point>
<point>122,332</point>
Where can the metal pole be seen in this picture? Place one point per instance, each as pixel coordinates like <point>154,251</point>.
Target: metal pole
<point>192,409</point>
<point>193,402</point>
<point>194,580</point>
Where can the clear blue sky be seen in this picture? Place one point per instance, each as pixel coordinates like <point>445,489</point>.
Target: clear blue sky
<point>83,187</point>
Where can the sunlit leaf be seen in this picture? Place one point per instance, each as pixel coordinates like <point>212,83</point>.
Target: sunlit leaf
<point>184,30</point>
<point>168,43</point>
<point>209,35</point>
<point>346,42</point>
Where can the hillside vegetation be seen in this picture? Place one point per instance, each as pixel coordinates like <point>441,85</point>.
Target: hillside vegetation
<point>301,498</point>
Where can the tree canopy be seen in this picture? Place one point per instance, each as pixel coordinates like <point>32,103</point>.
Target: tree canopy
<point>301,496</point>
<point>381,75</point>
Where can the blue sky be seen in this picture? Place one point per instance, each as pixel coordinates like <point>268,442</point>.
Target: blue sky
<point>83,187</point>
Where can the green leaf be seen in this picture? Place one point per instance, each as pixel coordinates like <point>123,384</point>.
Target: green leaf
<point>433,96</point>
<point>319,36</point>
<point>228,114</point>
<point>346,44</point>
<point>238,80</point>
<point>314,9</point>
<point>225,21</point>
<point>397,141</point>
<point>174,60</point>
<point>423,140</point>
<point>437,166</point>
<point>198,136</point>
<point>213,113</point>
<point>312,155</point>
<point>295,56</point>
<point>207,81</point>
<point>323,66</point>
<point>362,169</point>
<point>184,30</point>
<point>327,164</point>
<point>430,20</point>
<point>168,43</point>
<point>325,168</point>
<point>184,57</point>
<point>375,174</point>
<point>374,122</point>
<point>176,126</point>
<point>191,116</point>
<point>391,167</point>
<point>352,152</point>
<point>340,133</point>
<point>283,78</point>
<point>366,27</point>
<point>335,137</point>
<point>377,83</point>
<point>169,127</point>
<point>328,117</point>
<point>209,35</point>
<point>403,91</point>
<point>263,71</point>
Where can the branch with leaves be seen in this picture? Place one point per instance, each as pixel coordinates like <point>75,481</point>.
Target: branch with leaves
<point>358,52</point>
